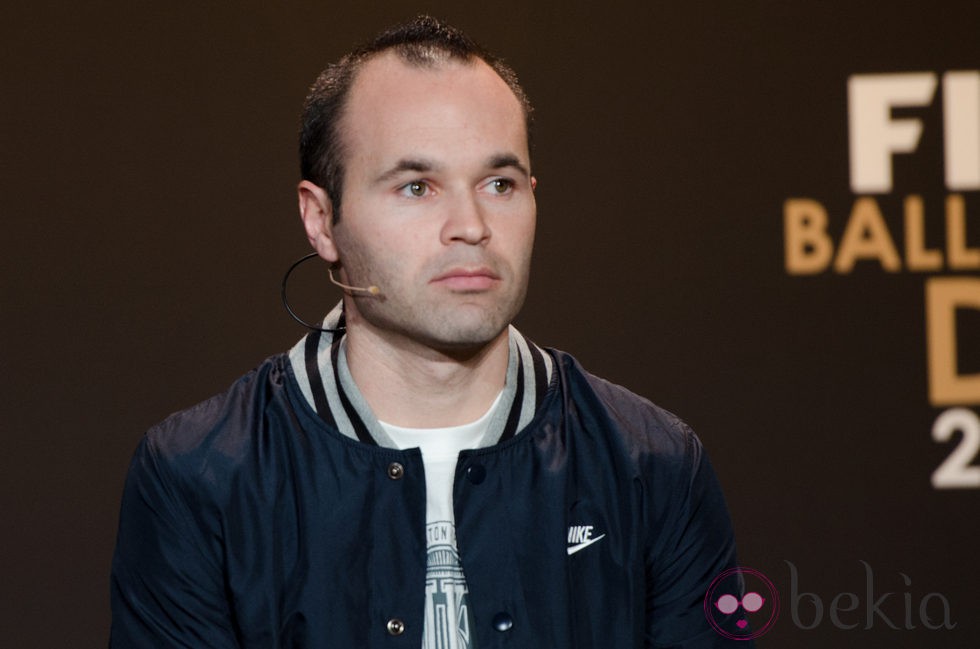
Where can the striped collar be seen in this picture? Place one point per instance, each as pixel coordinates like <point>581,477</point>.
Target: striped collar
<point>319,362</point>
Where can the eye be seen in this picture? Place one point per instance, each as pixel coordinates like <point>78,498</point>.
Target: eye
<point>416,188</point>
<point>501,185</point>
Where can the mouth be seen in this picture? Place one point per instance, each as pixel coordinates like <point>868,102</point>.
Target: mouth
<point>467,279</point>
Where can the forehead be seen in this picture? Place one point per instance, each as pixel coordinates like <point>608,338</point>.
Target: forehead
<point>397,107</point>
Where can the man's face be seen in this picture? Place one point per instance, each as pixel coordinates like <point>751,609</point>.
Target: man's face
<point>438,203</point>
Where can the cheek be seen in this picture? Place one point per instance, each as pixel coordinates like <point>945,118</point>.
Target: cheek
<point>391,255</point>
<point>530,223</point>
<point>523,241</point>
<point>516,230</point>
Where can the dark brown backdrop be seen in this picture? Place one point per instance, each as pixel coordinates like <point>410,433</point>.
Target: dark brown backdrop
<point>148,209</point>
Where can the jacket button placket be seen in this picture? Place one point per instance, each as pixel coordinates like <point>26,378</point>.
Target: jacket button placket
<point>395,627</point>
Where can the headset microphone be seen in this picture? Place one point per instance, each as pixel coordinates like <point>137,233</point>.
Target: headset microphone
<point>370,290</point>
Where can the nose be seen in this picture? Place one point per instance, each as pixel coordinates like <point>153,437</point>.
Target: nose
<point>465,222</point>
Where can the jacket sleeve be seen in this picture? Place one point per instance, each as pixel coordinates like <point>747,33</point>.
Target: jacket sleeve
<point>691,542</point>
<point>167,586</point>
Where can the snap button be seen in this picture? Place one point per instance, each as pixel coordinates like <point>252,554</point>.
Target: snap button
<point>502,622</point>
<point>396,471</point>
<point>395,626</point>
<point>475,473</point>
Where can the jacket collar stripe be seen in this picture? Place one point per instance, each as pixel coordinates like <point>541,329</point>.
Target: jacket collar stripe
<point>541,372</point>
<point>360,430</point>
<point>531,399</point>
<point>513,419</point>
<point>316,381</point>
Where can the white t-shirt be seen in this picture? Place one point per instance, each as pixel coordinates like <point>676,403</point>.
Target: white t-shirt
<point>447,616</point>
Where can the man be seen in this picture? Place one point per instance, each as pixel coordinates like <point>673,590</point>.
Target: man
<point>419,474</point>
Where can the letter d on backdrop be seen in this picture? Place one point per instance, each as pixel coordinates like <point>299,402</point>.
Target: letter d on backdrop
<point>944,295</point>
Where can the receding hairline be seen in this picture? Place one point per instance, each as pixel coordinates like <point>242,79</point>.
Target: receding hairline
<point>441,60</point>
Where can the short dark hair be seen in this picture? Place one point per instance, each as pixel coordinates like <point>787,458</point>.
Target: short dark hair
<point>423,42</point>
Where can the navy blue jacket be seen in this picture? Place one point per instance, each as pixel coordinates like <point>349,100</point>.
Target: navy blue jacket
<point>248,522</point>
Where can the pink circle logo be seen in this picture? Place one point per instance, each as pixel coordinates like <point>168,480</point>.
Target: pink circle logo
<point>741,604</point>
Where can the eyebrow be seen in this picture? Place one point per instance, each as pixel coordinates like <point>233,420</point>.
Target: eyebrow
<point>423,165</point>
<point>502,160</point>
<point>420,165</point>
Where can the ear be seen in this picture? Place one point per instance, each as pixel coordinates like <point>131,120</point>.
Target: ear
<point>534,183</point>
<point>316,210</point>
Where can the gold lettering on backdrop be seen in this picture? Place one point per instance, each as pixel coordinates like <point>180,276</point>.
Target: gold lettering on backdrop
<point>960,256</point>
<point>944,295</point>
<point>866,237</point>
<point>808,247</point>
<point>917,256</point>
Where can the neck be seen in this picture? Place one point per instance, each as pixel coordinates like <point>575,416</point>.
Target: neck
<point>415,386</point>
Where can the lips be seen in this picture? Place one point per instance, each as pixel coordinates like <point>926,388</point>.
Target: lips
<point>467,279</point>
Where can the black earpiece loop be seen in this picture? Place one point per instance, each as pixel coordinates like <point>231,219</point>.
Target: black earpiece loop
<point>289,309</point>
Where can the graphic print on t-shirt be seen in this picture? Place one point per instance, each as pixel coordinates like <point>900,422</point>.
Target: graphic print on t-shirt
<point>447,616</point>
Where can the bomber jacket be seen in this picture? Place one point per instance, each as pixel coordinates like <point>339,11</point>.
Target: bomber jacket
<point>250,521</point>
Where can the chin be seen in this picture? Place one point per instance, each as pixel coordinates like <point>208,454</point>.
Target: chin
<point>468,333</point>
<point>443,326</point>
<point>468,338</point>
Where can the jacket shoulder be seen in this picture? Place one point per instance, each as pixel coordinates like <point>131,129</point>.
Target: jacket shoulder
<point>218,431</point>
<point>644,427</point>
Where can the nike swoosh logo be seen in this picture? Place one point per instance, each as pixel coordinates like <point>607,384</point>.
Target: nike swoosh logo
<point>572,549</point>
